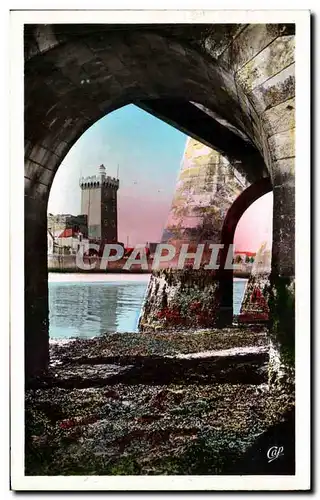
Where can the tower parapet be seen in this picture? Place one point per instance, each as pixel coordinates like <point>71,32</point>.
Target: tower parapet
<point>95,181</point>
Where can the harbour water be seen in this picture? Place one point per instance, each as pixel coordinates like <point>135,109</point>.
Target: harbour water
<point>89,305</point>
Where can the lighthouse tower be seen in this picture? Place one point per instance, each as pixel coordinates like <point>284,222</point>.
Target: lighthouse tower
<point>99,203</point>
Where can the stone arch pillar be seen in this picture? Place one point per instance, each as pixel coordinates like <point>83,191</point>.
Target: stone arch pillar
<point>282,278</point>
<point>210,197</point>
<point>36,281</point>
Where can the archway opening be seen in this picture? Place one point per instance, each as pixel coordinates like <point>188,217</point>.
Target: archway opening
<point>143,154</point>
<point>252,248</point>
<point>246,199</point>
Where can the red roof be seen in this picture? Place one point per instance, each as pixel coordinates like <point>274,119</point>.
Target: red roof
<point>66,233</point>
<point>249,254</point>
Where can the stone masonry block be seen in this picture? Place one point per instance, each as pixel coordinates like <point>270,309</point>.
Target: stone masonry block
<point>279,118</point>
<point>273,59</point>
<point>282,145</point>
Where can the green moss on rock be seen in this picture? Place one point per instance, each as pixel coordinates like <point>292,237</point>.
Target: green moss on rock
<point>282,316</point>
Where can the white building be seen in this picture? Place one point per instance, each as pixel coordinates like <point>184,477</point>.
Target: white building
<point>51,242</point>
<point>72,241</point>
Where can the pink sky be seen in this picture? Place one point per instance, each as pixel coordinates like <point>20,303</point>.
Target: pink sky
<point>143,218</point>
<point>255,226</point>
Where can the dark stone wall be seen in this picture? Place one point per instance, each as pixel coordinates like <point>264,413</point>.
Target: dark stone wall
<point>36,287</point>
<point>282,279</point>
<point>109,214</point>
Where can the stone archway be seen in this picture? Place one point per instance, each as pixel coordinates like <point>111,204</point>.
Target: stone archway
<point>74,75</point>
<point>240,205</point>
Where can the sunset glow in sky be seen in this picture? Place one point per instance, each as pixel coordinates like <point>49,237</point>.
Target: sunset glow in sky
<point>255,226</point>
<point>147,153</point>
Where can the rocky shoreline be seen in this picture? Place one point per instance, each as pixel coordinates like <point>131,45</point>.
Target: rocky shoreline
<point>183,403</point>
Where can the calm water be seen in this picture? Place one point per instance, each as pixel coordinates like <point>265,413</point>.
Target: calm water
<point>239,285</point>
<point>91,308</point>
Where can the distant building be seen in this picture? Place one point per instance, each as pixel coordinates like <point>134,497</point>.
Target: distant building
<point>58,223</point>
<point>52,244</point>
<point>262,262</point>
<point>99,204</point>
<point>244,257</point>
<point>72,241</point>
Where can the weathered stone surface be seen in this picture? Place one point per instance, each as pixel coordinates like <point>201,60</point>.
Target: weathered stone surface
<point>283,144</point>
<point>280,118</point>
<point>225,356</point>
<point>274,58</point>
<point>284,172</point>
<point>275,90</point>
<point>254,307</point>
<point>215,41</point>
<point>283,251</point>
<point>34,170</point>
<point>44,39</point>
<point>250,42</point>
<point>282,295</point>
<point>206,187</point>
<point>282,311</point>
<point>34,191</point>
<point>147,80</point>
<point>241,366</point>
<point>180,299</point>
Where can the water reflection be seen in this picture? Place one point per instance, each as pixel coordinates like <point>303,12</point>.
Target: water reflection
<point>90,309</point>
<point>87,309</point>
<point>239,285</point>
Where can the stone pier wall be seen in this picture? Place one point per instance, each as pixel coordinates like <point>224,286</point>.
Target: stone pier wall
<point>254,307</point>
<point>207,186</point>
<point>255,304</point>
<point>180,299</point>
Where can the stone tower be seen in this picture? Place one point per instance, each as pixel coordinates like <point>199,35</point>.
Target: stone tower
<point>99,203</point>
